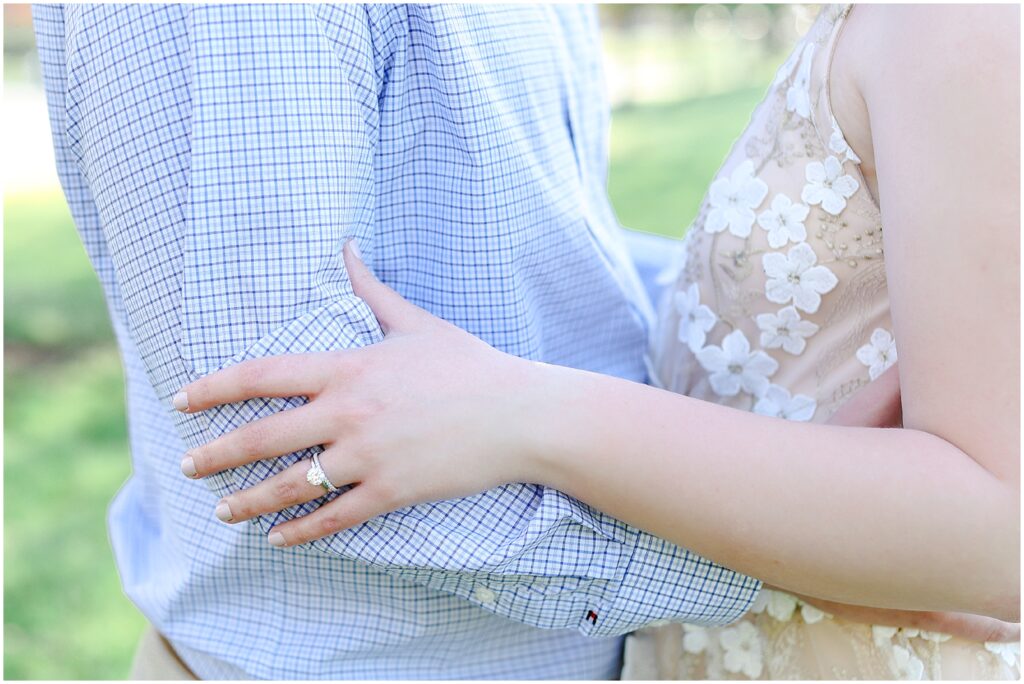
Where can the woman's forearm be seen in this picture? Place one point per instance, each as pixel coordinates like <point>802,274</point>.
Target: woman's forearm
<point>892,518</point>
<point>887,518</point>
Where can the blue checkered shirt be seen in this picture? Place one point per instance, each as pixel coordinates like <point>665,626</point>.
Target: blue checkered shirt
<point>216,159</point>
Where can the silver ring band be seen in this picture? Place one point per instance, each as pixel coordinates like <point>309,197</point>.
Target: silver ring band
<point>316,475</point>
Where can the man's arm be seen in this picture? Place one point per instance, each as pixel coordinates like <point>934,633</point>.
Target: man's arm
<point>222,188</point>
<point>653,256</point>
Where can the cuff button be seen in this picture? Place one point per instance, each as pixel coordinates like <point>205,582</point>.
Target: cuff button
<point>484,595</point>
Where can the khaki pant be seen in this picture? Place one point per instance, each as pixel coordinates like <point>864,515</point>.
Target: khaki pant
<point>156,660</point>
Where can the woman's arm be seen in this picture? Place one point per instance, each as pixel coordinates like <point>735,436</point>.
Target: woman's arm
<point>894,518</point>
<point>922,517</point>
<point>925,517</point>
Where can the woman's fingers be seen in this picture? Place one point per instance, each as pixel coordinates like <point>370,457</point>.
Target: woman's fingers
<point>978,627</point>
<point>287,488</point>
<point>393,312</point>
<point>289,375</point>
<point>278,434</point>
<point>355,506</point>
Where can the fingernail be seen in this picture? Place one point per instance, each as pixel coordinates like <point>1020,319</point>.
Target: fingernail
<point>354,246</point>
<point>188,467</point>
<point>276,539</point>
<point>180,401</point>
<point>223,512</point>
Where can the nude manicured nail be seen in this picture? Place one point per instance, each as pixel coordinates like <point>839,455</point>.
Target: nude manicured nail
<point>180,401</point>
<point>223,512</point>
<point>276,539</point>
<point>188,467</point>
<point>355,249</point>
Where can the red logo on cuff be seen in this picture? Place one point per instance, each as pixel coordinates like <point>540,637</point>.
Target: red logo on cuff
<point>592,617</point>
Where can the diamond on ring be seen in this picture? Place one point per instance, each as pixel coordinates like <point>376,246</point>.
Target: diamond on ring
<point>317,477</point>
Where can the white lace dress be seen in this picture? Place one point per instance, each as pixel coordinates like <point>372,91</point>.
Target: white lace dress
<point>780,307</point>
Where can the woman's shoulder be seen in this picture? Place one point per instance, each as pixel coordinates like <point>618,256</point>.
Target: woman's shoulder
<point>886,52</point>
<point>934,39</point>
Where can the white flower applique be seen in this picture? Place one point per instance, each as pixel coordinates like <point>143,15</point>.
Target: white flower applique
<point>695,319</point>
<point>777,402</point>
<point>733,201</point>
<point>1009,652</point>
<point>798,97</point>
<point>837,143</point>
<point>907,665</point>
<point>695,639</point>
<point>733,366</point>
<point>879,354</point>
<point>795,276</point>
<point>828,186</point>
<point>812,614</point>
<point>743,653</point>
<point>781,605</point>
<point>937,637</point>
<point>786,330</point>
<point>784,221</point>
<point>883,635</point>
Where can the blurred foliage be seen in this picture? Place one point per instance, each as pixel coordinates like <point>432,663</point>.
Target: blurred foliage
<point>691,82</point>
<point>65,454</point>
<point>55,306</point>
<point>667,53</point>
<point>19,44</point>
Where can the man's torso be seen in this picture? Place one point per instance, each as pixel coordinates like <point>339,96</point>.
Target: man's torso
<point>479,187</point>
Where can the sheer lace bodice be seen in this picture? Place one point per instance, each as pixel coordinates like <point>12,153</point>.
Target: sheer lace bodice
<point>780,307</point>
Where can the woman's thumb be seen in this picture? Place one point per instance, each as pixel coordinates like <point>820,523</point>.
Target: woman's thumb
<point>393,312</point>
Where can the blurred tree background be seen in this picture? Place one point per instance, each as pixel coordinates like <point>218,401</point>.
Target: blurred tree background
<point>683,81</point>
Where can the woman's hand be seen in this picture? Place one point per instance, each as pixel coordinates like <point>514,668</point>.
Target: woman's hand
<point>429,413</point>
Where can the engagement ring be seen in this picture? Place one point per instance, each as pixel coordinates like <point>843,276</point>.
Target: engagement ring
<point>316,475</point>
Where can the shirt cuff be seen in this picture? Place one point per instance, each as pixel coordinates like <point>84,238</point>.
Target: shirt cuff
<point>664,583</point>
<point>643,581</point>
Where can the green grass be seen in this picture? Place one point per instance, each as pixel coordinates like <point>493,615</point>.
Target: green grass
<point>65,443</point>
<point>65,454</point>
<point>664,156</point>
<point>55,304</point>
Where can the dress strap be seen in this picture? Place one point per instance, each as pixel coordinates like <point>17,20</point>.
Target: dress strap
<point>823,117</point>
<point>842,11</point>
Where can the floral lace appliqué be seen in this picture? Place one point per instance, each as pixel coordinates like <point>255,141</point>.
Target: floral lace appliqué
<point>778,402</point>
<point>837,143</point>
<point>743,650</point>
<point>879,354</point>
<point>733,201</point>
<point>798,96</point>
<point>796,277</point>
<point>785,329</point>
<point>1008,652</point>
<point>784,222</point>
<point>695,319</point>
<point>828,186</point>
<point>695,639</point>
<point>734,367</point>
